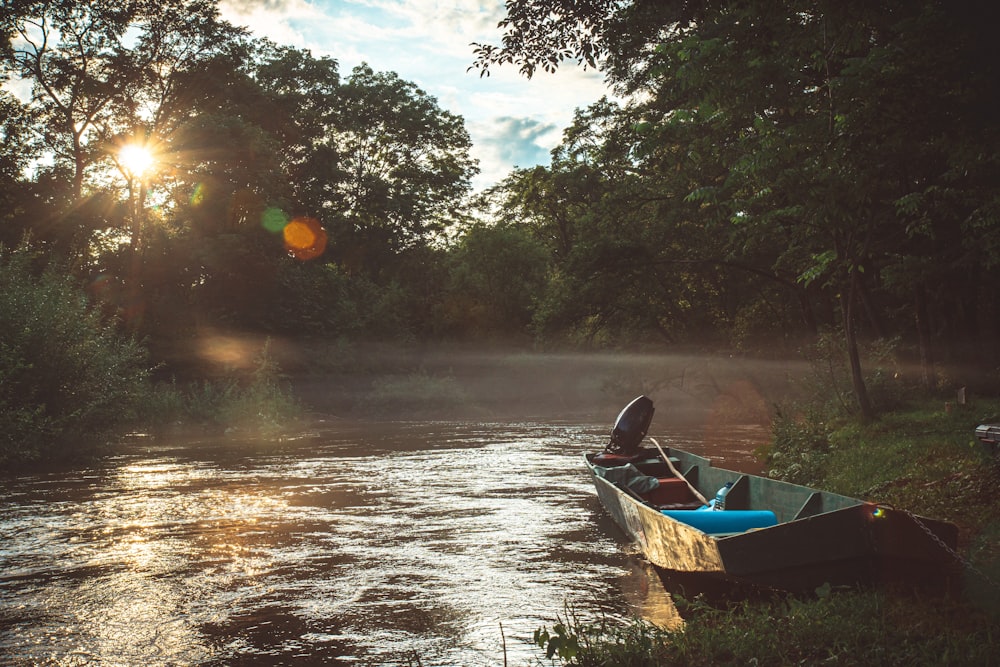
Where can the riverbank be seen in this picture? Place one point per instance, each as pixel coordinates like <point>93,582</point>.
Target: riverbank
<point>923,458</point>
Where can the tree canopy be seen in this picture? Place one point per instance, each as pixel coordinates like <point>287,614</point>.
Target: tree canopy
<point>261,156</point>
<point>838,154</point>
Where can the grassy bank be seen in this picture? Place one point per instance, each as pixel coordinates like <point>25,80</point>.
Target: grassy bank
<point>923,458</point>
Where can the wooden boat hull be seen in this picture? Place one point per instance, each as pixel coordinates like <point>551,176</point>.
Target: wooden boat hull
<point>821,538</point>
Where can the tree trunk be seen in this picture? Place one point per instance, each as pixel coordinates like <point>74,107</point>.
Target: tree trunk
<point>847,301</point>
<point>871,312</point>
<point>805,305</point>
<point>924,337</point>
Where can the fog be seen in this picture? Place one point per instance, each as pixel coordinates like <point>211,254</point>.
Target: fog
<point>465,382</point>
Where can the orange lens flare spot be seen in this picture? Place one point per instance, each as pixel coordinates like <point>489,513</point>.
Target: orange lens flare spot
<point>305,238</point>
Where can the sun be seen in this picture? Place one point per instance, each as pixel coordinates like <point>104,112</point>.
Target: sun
<point>136,159</point>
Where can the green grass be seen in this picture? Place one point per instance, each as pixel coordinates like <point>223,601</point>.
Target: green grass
<point>923,459</point>
<point>848,629</point>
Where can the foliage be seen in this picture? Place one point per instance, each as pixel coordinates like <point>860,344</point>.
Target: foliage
<point>259,402</point>
<point>262,402</point>
<point>636,644</point>
<point>769,174</point>
<point>68,379</point>
<point>844,628</point>
<point>799,449</point>
<point>496,275</point>
<point>96,68</point>
<point>827,386</point>
<point>542,34</point>
<point>776,144</point>
<point>803,430</point>
<point>403,166</point>
<point>325,300</point>
<point>247,136</point>
<point>414,394</point>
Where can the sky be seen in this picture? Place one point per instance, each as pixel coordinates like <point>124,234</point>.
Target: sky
<point>513,121</point>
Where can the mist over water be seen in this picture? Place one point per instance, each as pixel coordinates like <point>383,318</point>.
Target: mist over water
<point>688,390</point>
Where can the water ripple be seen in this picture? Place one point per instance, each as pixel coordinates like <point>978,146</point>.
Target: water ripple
<point>378,544</point>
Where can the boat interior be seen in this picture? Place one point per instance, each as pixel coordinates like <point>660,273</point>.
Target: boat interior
<point>789,502</point>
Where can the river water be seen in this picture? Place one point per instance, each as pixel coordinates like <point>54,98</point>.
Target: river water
<point>398,543</point>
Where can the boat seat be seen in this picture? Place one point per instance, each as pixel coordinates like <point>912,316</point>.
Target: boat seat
<point>671,491</point>
<point>606,460</point>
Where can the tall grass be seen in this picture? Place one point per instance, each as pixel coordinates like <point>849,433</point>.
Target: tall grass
<point>259,402</point>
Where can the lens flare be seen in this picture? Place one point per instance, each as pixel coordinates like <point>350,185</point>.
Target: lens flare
<point>274,220</point>
<point>305,238</point>
<point>198,196</point>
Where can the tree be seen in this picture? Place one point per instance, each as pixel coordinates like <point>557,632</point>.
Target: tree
<point>18,146</point>
<point>543,33</point>
<point>825,142</point>
<point>402,168</point>
<point>620,245</point>
<point>496,275</point>
<point>104,73</point>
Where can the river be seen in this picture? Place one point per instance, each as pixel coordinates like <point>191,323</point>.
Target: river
<point>355,543</point>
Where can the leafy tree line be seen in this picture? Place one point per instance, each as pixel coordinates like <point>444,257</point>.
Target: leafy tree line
<point>772,172</point>
<point>776,169</point>
<point>245,138</point>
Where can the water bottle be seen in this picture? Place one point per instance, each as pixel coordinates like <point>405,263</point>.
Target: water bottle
<point>720,498</point>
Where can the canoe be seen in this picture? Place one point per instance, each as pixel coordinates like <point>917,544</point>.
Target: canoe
<point>771,534</point>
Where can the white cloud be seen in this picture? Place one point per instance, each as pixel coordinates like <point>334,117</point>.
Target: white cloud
<point>512,121</point>
<point>270,18</point>
<point>507,142</point>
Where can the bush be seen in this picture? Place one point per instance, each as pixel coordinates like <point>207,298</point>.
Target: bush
<point>260,402</point>
<point>799,449</point>
<point>68,379</point>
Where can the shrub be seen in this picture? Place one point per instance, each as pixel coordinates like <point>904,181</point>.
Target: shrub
<point>799,449</point>
<point>260,402</point>
<point>854,628</point>
<point>68,379</point>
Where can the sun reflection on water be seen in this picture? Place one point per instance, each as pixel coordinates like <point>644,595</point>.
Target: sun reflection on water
<point>353,545</point>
